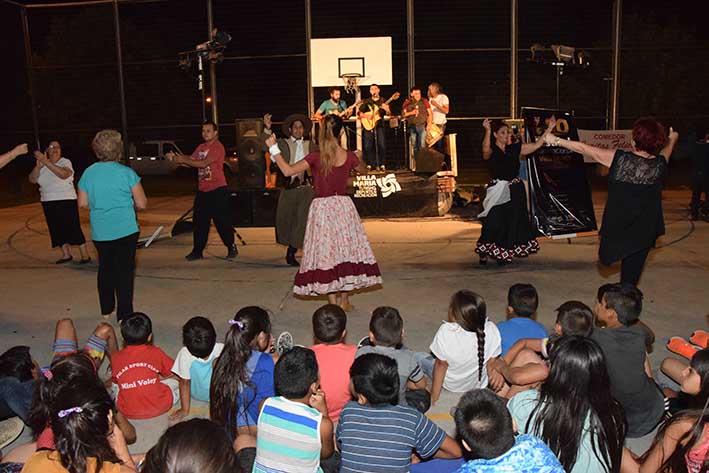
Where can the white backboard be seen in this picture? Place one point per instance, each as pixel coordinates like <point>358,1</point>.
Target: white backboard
<point>331,57</point>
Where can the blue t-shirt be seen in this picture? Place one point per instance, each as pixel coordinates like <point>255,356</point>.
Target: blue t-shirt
<point>518,328</point>
<point>327,107</point>
<point>527,455</point>
<point>108,185</point>
<point>259,370</point>
<point>381,438</point>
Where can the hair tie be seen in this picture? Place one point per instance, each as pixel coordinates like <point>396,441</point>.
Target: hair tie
<point>47,373</point>
<point>71,410</point>
<point>238,323</point>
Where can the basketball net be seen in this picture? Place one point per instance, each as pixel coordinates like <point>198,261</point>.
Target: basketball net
<point>351,83</point>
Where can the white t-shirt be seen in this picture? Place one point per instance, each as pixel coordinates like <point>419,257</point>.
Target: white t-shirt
<point>439,118</point>
<point>51,187</point>
<point>459,348</point>
<point>197,370</point>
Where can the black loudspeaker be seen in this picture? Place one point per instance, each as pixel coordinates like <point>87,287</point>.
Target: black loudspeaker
<point>248,129</point>
<point>254,208</point>
<point>428,160</point>
<point>252,165</point>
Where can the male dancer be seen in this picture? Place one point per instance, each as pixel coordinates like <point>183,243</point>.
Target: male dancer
<point>418,111</point>
<point>293,201</point>
<point>212,199</point>
<point>374,108</point>
<point>440,108</point>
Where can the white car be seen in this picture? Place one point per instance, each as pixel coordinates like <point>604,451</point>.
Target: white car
<point>148,158</point>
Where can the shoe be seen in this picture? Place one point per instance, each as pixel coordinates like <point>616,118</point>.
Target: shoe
<point>483,260</point>
<point>284,343</point>
<point>109,316</point>
<point>382,168</point>
<point>681,347</point>
<point>700,338</point>
<point>86,260</point>
<point>347,307</point>
<point>194,256</point>
<point>290,257</point>
<point>365,342</point>
<point>233,251</point>
<point>10,429</point>
<point>64,260</point>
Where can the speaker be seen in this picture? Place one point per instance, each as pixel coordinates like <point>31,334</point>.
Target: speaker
<point>254,207</point>
<point>248,129</point>
<point>252,165</point>
<point>428,160</point>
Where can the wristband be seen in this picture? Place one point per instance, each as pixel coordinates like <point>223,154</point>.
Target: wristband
<point>274,150</point>
<point>557,141</point>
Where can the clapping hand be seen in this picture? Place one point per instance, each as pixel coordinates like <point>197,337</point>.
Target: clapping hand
<point>41,158</point>
<point>551,124</point>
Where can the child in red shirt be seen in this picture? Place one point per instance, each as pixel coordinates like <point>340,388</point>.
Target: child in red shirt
<point>139,371</point>
<point>334,356</point>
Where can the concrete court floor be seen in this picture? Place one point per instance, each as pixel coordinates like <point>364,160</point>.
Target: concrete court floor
<point>423,261</point>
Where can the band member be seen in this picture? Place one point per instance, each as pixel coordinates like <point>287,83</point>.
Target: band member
<point>293,201</point>
<point>440,108</point>
<point>333,106</point>
<point>374,140</point>
<point>417,111</point>
<point>212,199</point>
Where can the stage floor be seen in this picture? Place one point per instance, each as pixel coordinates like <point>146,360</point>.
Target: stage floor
<point>423,261</point>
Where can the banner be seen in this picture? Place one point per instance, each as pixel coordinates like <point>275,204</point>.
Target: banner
<point>607,139</point>
<point>560,196</point>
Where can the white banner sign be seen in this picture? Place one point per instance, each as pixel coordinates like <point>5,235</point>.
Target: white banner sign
<point>607,139</point>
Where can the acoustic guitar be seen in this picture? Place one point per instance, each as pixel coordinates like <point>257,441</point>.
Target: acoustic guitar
<point>370,123</point>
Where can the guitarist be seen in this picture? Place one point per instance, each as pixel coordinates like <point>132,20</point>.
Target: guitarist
<point>334,106</point>
<point>373,110</point>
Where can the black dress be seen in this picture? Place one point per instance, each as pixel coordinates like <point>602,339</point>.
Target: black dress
<point>507,231</point>
<point>632,219</point>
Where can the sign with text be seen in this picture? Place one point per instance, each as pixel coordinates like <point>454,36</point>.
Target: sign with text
<point>607,139</point>
<point>560,196</point>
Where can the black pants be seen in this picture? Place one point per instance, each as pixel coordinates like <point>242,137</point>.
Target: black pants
<point>631,267</point>
<point>208,206</point>
<point>371,148</point>
<point>116,272</point>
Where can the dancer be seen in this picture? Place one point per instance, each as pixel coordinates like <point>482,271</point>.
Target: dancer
<point>18,150</point>
<point>632,219</point>
<point>212,199</point>
<point>293,201</point>
<point>337,257</point>
<point>506,230</point>
<point>55,177</point>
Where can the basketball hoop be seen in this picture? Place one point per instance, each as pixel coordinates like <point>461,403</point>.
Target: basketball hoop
<point>351,82</point>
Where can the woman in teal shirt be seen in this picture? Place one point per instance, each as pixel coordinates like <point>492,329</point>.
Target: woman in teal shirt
<point>112,192</point>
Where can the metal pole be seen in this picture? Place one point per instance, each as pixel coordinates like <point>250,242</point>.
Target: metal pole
<point>121,87</point>
<point>410,42</point>
<point>615,95</point>
<point>212,66</point>
<point>30,79</point>
<point>308,36</point>
<point>558,84</point>
<point>513,58</point>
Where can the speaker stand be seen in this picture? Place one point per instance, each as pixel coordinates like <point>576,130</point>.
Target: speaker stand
<point>186,223</point>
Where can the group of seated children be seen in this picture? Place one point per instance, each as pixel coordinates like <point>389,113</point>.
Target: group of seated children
<point>582,399</point>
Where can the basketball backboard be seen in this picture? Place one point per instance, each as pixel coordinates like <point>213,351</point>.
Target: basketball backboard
<point>331,58</point>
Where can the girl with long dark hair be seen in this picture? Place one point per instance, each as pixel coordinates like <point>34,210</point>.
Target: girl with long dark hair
<point>574,412</point>
<point>682,443</point>
<point>337,257</point>
<point>243,373</point>
<point>462,346</point>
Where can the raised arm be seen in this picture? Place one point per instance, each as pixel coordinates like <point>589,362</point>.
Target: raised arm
<point>186,160</point>
<point>286,169</point>
<point>12,154</point>
<point>487,148</point>
<point>529,148</point>
<point>59,171</point>
<point>670,146</point>
<point>600,155</point>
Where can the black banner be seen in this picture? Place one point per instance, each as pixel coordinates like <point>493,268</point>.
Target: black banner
<point>559,192</point>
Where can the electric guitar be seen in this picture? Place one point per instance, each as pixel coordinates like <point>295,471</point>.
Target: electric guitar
<point>370,123</point>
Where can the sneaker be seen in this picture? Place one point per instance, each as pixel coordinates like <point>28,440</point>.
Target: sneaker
<point>681,347</point>
<point>10,429</point>
<point>700,338</point>
<point>194,256</point>
<point>231,254</point>
<point>284,343</point>
<point>364,342</point>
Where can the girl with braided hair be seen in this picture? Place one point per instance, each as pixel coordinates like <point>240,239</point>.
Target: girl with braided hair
<point>462,346</point>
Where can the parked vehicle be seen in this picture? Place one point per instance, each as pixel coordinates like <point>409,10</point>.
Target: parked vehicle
<point>148,158</point>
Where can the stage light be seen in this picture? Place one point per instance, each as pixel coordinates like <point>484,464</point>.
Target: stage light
<point>583,58</point>
<point>563,54</point>
<point>208,99</point>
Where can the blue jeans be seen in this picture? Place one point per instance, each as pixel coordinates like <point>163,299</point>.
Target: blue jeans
<point>419,134</point>
<point>15,398</point>
<point>425,362</point>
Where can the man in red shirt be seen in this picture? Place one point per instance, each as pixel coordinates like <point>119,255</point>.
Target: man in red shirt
<point>212,199</point>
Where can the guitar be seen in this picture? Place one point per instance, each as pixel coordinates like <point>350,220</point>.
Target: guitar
<point>370,123</point>
<point>342,113</point>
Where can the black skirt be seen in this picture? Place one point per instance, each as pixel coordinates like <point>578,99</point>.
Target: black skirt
<point>63,222</point>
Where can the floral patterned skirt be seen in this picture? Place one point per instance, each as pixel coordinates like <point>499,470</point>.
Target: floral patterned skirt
<point>336,253</point>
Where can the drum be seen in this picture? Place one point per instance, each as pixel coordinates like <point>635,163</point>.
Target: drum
<point>433,134</point>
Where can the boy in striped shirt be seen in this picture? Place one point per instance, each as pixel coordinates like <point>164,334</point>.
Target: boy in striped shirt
<point>294,430</point>
<point>376,435</point>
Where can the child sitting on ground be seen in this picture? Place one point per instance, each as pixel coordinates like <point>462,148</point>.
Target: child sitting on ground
<point>486,430</point>
<point>386,332</point>
<point>523,366</point>
<point>462,346</point>
<point>194,363</point>
<point>142,371</point>
<point>294,431</point>
<point>522,303</point>
<point>377,434</point>
<point>334,356</point>
<point>623,342</point>
<point>243,373</point>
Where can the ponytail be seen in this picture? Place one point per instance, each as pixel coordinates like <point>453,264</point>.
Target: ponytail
<point>329,142</point>
<point>480,332</point>
<point>470,312</point>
